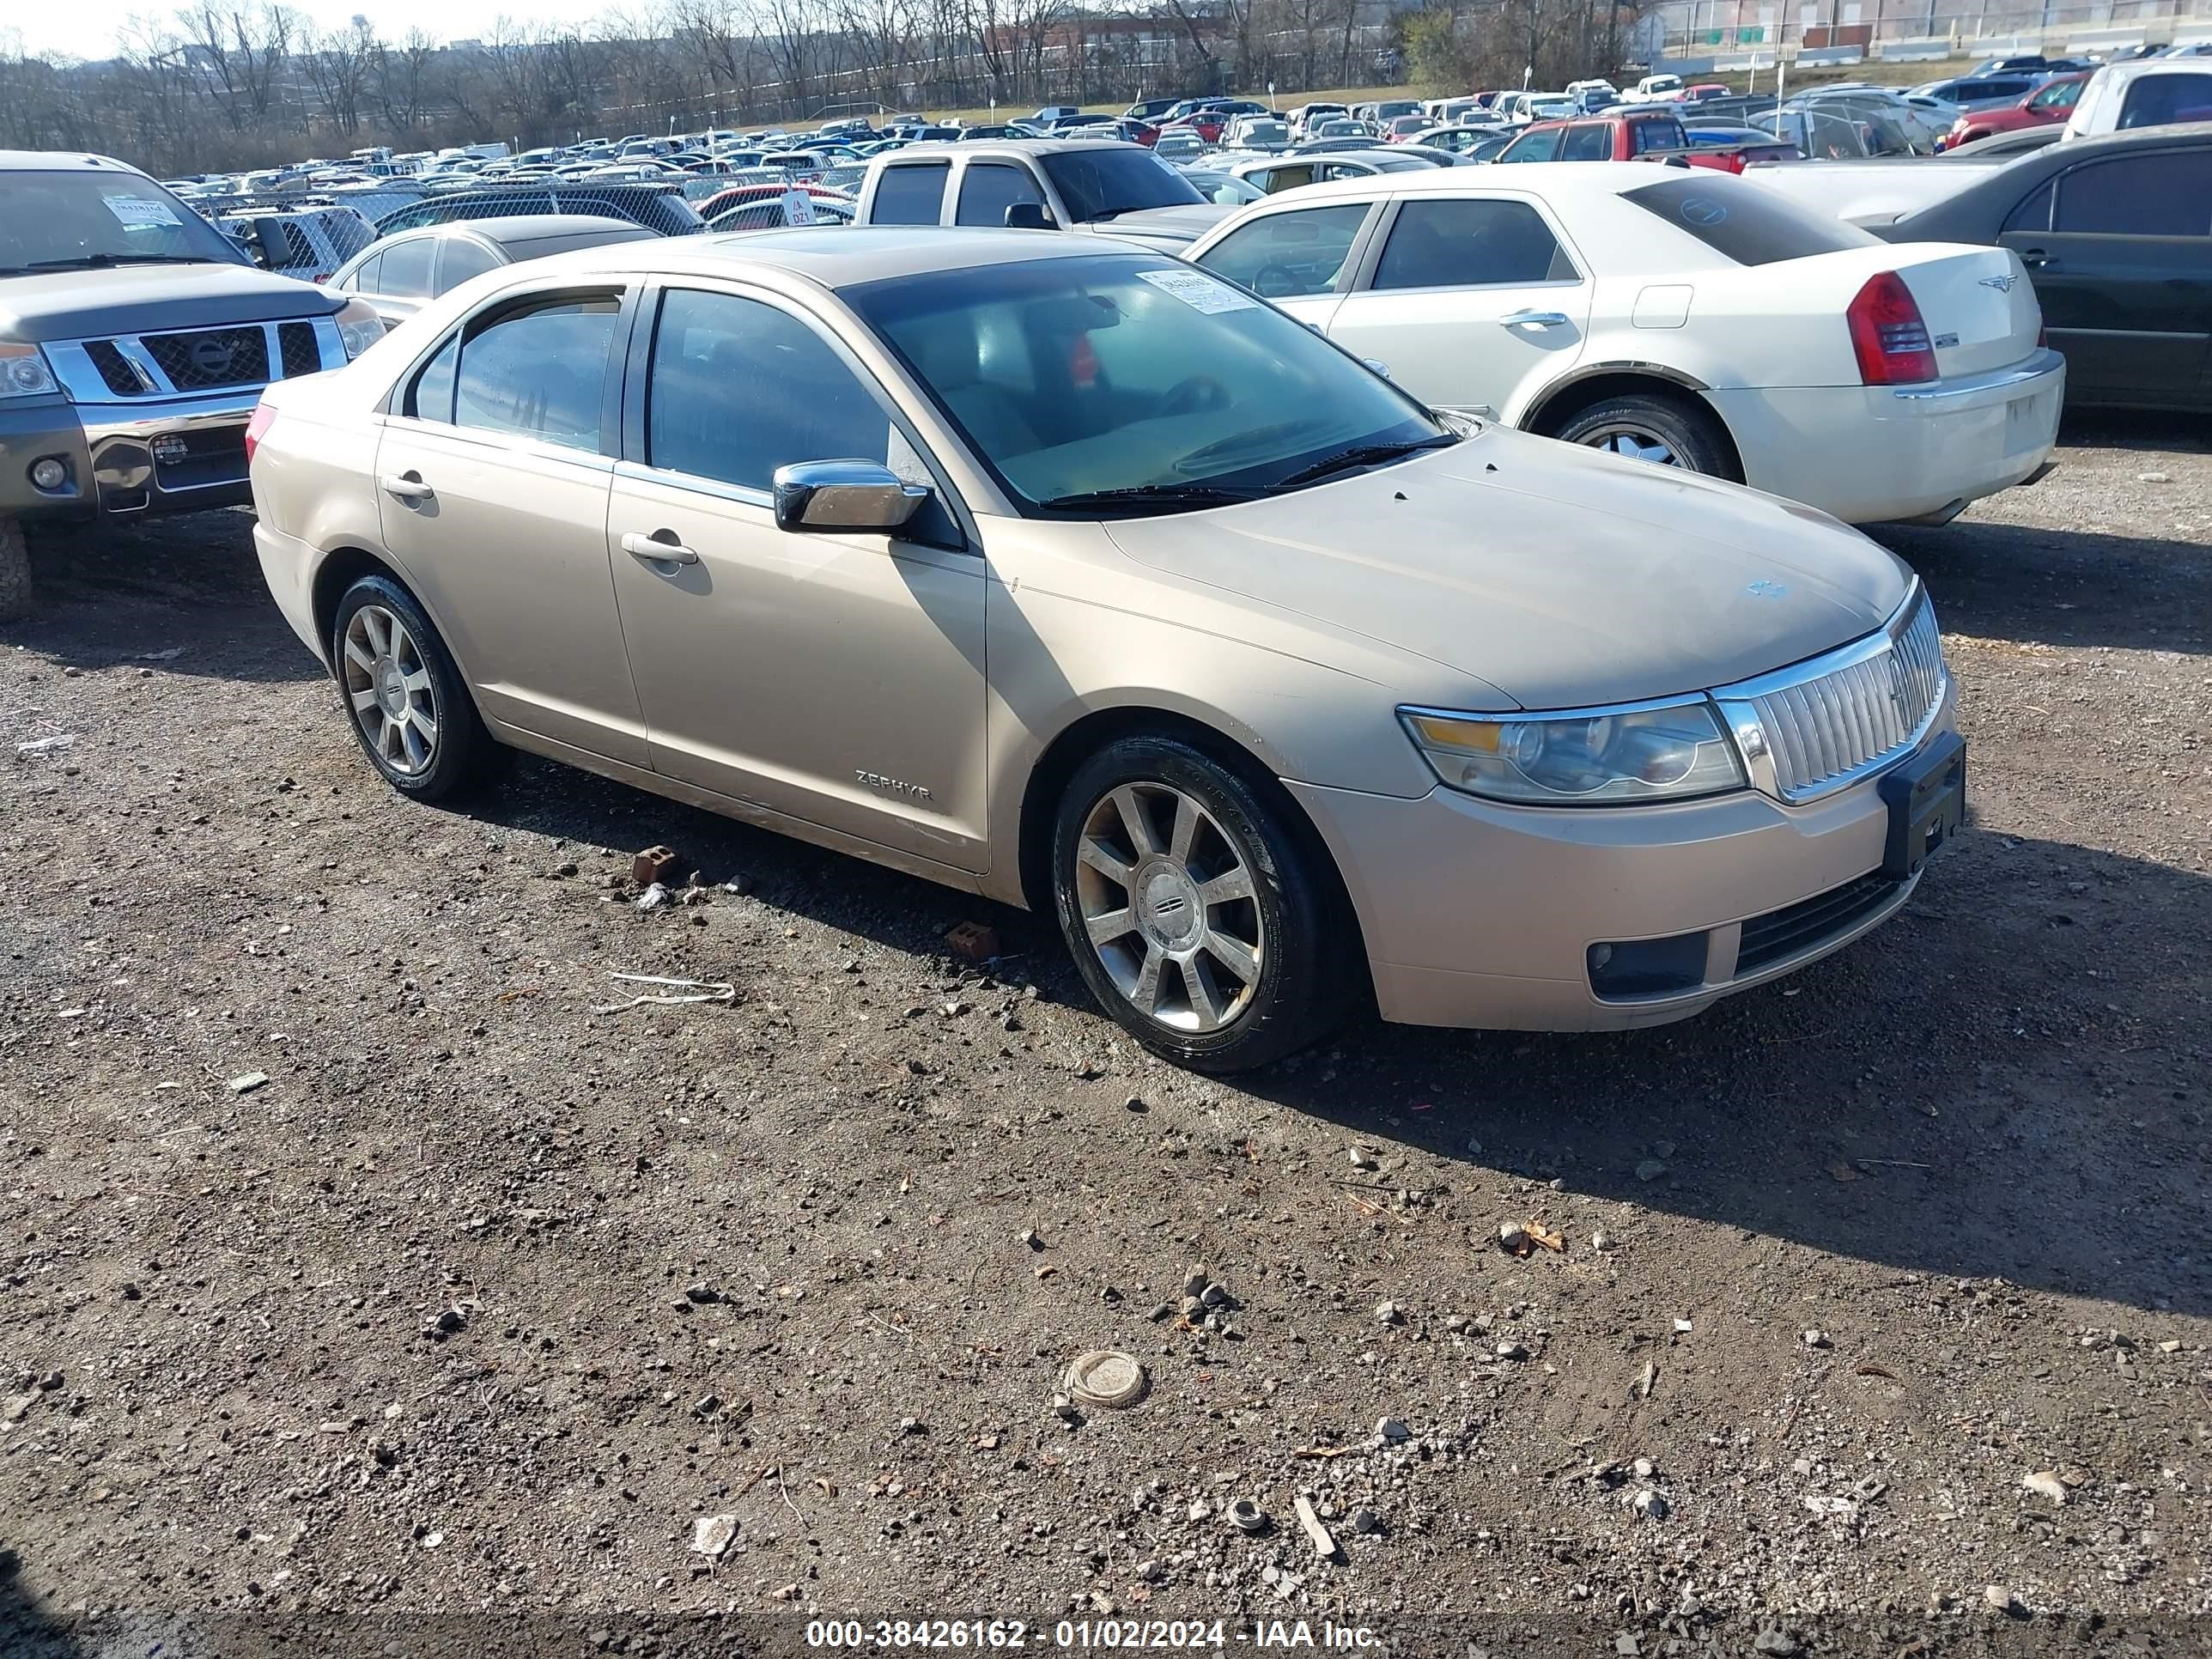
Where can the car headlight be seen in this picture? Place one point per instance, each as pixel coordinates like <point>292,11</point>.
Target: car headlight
<point>24,372</point>
<point>359,328</point>
<point>1640,752</point>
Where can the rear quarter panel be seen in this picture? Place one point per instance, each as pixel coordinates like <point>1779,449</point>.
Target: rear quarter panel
<point>315,484</point>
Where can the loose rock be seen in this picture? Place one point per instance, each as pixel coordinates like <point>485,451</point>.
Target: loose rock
<point>713,1534</point>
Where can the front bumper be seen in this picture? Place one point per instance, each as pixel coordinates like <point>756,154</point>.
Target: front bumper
<point>1479,914</point>
<point>1879,455</point>
<point>174,455</point>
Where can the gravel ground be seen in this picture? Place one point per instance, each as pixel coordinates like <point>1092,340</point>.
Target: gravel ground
<point>483,1299</point>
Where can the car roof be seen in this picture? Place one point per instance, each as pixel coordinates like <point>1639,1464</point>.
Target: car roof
<point>60,160</point>
<point>1551,180</point>
<point>521,228</point>
<point>845,257</point>
<point>1017,147</point>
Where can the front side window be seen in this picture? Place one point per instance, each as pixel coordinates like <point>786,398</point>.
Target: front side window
<point>912,195</point>
<point>987,189</point>
<point>1586,142</point>
<point>2064,95</point>
<point>1118,383</point>
<point>1469,243</point>
<point>538,371</point>
<point>1540,146</point>
<point>739,388</point>
<point>2168,193</point>
<point>1285,255</point>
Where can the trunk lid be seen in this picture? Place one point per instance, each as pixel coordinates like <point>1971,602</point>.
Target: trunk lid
<point>1978,302</point>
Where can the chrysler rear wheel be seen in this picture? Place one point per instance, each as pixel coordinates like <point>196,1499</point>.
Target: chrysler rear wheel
<point>403,695</point>
<point>1645,427</point>
<point>1197,915</point>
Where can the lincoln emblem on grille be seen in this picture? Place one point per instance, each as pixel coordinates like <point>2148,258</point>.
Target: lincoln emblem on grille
<point>211,356</point>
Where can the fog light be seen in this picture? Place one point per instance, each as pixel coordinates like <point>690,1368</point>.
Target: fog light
<point>49,474</point>
<point>1622,971</point>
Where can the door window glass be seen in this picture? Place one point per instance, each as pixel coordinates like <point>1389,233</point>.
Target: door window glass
<point>739,388</point>
<point>407,268</point>
<point>1589,142</point>
<point>464,259</point>
<point>2159,100</point>
<point>363,280</point>
<point>2168,193</point>
<point>431,397</point>
<point>540,372</point>
<point>1539,146</point>
<point>2033,212</point>
<point>2064,95</point>
<point>1465,243</point>
<point>987,190</point>
<point>1285,255</point>
<point>911,195</point>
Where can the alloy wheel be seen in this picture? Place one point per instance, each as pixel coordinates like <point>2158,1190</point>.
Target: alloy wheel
<point>1638,443</point>
<point>1170,905</point>
<point>389,686</point>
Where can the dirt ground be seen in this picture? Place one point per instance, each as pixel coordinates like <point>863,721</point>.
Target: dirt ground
<point>446,1334</point>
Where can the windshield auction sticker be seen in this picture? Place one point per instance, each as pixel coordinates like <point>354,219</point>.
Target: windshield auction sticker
<point>136,211</point>
<point>1198,290</point>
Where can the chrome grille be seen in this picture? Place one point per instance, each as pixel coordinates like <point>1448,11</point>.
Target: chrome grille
<point>301,352</point>
<point>1829,721</point>
<point>211,357</point>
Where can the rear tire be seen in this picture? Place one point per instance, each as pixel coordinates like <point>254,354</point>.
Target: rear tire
<point>1197,914</point>
<point>15,572</point>
<point>1652,427</point>
<point>404,695</point>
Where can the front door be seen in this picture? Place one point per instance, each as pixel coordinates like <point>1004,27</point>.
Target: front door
<point>835,677</point>
<point>2124,273</point>
<point>1471,301</point>
<point>492,475</point>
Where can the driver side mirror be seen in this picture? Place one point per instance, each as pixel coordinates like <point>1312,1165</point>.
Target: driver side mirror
<point>852,496</point>
<point>1030,216</point>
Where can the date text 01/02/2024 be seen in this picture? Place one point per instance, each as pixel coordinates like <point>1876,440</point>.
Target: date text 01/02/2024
<point>1084,1633</point>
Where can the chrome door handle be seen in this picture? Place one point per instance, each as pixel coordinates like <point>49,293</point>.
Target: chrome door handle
<point>659,548</point>
<point>407,488</point>
<point>1533,319</point>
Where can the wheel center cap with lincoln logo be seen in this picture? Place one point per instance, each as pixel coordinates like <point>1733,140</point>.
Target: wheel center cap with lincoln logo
<point>390,688</point>
<point>1169,912</point>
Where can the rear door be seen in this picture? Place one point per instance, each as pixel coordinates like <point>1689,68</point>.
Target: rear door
<point>2120,252</point>
<point>1472,301</point>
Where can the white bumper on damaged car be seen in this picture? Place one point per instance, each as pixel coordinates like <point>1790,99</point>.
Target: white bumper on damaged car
<point>1873,454</point>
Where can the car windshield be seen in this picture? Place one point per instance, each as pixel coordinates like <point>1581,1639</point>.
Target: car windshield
<point>1113,383</point>
<point>63,220</point>
<point>1098,183</point>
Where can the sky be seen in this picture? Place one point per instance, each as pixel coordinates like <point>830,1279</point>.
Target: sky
<point>41,26</point>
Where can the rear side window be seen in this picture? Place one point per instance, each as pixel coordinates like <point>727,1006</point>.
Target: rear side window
<point>2168,193</point>
<point>1470,244</point>
<point>1590,141</point>
<point>2033,212</point>
<point>1286,255</point>
<point>540,372</point>
<point>910,195</point>
<point>988,189</point>
<point>363,280</point>
<point>2159,100</point>
<point>1748,224</point>
<point>407,268</point>
<point>1286,178</point>
<point>1655,135</point>
<point>464,258</point>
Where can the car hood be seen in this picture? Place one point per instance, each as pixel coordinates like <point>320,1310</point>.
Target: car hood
<point>1164,226</point>
<point>1562,577</point>
<point>76,305</point>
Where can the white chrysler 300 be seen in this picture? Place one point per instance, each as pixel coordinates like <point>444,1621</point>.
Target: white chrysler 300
<point>1678,315</point>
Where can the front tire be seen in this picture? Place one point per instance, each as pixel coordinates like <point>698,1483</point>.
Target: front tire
<point>404,697</point>
<point>1197,914</point>
<point>15,572</point>
<point>1648,427</point>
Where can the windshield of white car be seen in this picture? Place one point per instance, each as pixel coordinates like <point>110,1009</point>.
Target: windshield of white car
<point>1134,386</point>
<point>89,220</point>
<point>1747,223</point>
<point>1101,184</point>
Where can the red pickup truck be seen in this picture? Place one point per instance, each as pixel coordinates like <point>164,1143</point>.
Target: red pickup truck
<point>1644,136</point>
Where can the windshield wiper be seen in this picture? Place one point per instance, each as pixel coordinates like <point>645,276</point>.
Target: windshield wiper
<point>1360,455</point>
<point>1153,495</point>
<point>101,261</point>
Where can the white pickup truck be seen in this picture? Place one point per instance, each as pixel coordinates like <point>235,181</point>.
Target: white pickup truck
<point>2151,92</point>
<point>1038,184</point>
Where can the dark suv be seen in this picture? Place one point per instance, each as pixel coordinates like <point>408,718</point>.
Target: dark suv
<point>135,339</point>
